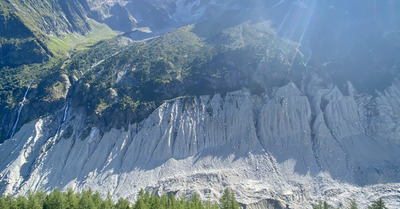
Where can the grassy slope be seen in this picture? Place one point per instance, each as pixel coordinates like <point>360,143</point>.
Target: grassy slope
<point>71,42</point>
<point>52,28</point>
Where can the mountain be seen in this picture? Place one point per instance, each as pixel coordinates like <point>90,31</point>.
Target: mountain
<point>35,38</point>
<point>24,27</point>
<point>290,101</point>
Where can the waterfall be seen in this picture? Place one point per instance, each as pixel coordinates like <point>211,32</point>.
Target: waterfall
<point>93,66</point>
<point>66,107</point>
<point>20,109</point>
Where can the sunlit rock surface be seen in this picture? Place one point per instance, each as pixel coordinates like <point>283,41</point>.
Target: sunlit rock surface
<point>289,145</point>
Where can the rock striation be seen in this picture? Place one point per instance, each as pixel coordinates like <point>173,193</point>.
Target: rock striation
<point>289,145</point>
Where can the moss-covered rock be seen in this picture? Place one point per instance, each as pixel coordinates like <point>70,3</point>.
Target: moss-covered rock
<point>59,89</point>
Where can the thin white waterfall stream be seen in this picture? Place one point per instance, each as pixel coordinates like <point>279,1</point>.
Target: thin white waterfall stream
<point>20,109</point>
<point>66,107</point>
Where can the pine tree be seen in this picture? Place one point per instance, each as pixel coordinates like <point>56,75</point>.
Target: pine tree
<point>164,201</point>
<point>215,206</point>
<point>122,204</point>
<point>228,200</point>
<point>140,204</point>
<point>353,205</point>
<point>34,201</point>
<point>86,200</point>
<point>97,200</point>
<point>172,201</point>
<point>145,196</point>
<point>326,206</point>
<point>55,200</point>
<point>141,194</point>
<point>195,202</point>
<point>107,203</point>
<point>143,200</point>
<point>321,205</point>
<point>22,202</point>
<point>3,202</point>
<point>211,206</point>
<point>235,204</point>
<point>12,203</point>
<point>72,199</point>
<point>183,203</point>
<point>208,205</point>
<point>378,204</point>
<point>154,202</point>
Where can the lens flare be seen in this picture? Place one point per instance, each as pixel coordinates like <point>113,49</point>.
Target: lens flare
<point>295,23</point>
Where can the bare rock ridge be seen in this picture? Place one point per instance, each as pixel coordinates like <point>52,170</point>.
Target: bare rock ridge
<point>287,145</point>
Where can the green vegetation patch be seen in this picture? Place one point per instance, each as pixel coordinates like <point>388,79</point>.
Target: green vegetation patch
<point>68,43</point>
<point>93,200</point>
<point>119,82</point>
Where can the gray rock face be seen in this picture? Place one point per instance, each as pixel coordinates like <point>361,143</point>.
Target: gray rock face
<point>293,146</point>
<point>284,128</point>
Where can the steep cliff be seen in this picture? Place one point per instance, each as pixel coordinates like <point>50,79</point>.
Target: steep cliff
<point>283,145</point>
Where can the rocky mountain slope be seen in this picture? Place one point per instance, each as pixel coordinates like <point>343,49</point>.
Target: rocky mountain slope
<point>256,96</point>
<point>267,146</point>
<point>26,25</point>
<point>29,29</point>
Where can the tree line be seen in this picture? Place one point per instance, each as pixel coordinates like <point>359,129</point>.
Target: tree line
<point>92,200</point>
<point>377,204</point>
<point>87,199</point>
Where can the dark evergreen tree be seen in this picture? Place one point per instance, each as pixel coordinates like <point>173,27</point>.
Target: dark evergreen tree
<point>183,203</point>
<point>34,201</point>
<point>378,204</point>
<point>72,199</point>
<point>353,205</point>
<point>108,203</point>
<point>172,202</point>
<point>195,202</point>
<point>86,200</point>
<point>55,200</point>
<point>122,204</point>
<point>22,202</point>
<point>321,205</point>
<point>164,201</point>
<point>228,200</point>
<point>155,202</point>
<point>11,201</point>
<point>208,205</point>
<point>3,203</point>
<point>141,204</point>
<point>97,200</point>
